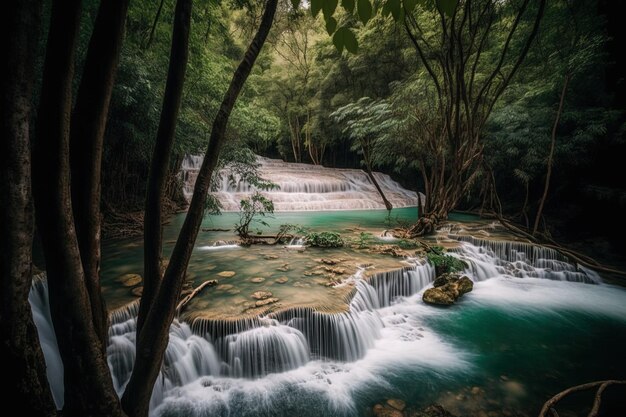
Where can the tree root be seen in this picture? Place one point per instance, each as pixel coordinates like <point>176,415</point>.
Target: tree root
<point>549,405</point>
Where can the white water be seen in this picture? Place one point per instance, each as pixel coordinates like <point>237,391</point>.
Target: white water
<point>306,187</point>
<point>262,365</point>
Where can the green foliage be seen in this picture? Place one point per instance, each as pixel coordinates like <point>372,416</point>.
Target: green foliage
<point>344,37</point>
<point>363,240</point>
<point>445,263</point>
<point>252,210</point>
<point>407,244</point>
<point>324,239</point>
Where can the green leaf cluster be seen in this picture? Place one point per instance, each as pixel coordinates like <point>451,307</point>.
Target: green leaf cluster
<point>324,239</point>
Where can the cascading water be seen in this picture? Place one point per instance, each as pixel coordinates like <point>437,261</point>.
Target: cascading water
<point>491,258</point>
<point>305,187</point>
<point>216,357</point>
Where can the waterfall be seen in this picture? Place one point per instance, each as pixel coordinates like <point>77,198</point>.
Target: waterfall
<point>252,348</point>
<point>491,258</point>
<point>38,299</point>
<point>305,187</point>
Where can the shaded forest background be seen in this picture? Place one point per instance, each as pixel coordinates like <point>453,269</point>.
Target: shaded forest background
<point>291,108</point>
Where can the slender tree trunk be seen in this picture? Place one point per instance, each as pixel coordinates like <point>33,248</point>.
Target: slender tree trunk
<point>86,138</point>
<point>21,358</point>
<point>88,386</point>
<point>368,168</point>
<point>160,162</point>
<point>370,174</point>
<point>153,339</point>
<point>551,154</point>
<point>154,24</point>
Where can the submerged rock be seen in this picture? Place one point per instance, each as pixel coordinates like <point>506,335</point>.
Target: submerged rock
<point>396,403</point>
<point>224,287</point>
<point>265,302</point>
<point>447,289</point>
<point>130,280</point>
<point>227,274</point>
<point>281,280</point>
<point>137,291</point>
<point>261,295</point>
<point>257,280</point>
<point>434,410</point>
<point>386,411</point>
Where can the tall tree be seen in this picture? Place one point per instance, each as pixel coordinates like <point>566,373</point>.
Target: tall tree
<point>21,357</point>
<point>153,339</point>
<point>88,385</point>
<point>86,145</point>
<point>160,162</point>
<point>467,83</point>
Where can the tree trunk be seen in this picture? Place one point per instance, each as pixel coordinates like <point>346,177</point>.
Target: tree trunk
<point>88,386</point>
<point>551,154</point>
<point>370,174</point>
<point>160,162</point>
<point>153,339</point>
<point>21,357</point>
<point>368,168</point>
<point>154,24</point>
<point>86,138</point>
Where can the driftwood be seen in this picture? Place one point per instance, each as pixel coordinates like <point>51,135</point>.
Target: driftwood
<point>548,407</point>
<point>195,292</point>
<point>214,229</point>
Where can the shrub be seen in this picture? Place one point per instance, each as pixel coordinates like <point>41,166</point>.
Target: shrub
<point>444,263</point>
<point>324,239</point>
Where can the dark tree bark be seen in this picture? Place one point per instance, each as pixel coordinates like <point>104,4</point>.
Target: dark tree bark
<point>367,157</point>
<point>21,357</point>
<point>88,386</point>
<point>87,133</point>
<point>154,24</point>
<point>159,164</point>
<point>153,339</point>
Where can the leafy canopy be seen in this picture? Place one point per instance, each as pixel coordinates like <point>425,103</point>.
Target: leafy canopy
<point>364,10</point>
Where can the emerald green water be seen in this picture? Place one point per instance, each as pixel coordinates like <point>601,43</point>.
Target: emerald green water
<point>506,348</point>
<point>260,261</point>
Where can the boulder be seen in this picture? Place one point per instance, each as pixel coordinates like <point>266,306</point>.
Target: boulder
<point>447,288</point>
<point>465,285</point>
<point>445,278</point>
<point>437,296</point>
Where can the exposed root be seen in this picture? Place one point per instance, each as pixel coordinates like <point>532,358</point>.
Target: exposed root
<point>548,407</point>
